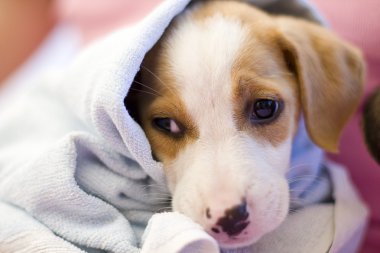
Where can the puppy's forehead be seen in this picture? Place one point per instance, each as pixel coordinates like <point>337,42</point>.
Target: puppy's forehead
<point>204,49</point>
<point>202,54</point>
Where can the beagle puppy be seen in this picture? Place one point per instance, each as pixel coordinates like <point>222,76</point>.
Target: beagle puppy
<point>220,97</point>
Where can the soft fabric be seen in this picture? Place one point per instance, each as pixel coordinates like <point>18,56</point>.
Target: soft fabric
<point>76,172</point>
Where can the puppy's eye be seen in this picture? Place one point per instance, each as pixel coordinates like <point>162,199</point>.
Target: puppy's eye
<point>168,125</point>
<point>264,110</point>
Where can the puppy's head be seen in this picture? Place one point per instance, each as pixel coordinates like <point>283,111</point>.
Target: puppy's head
<point>220,96</point>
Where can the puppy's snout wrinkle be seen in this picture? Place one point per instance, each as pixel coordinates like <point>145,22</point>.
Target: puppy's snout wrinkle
<point>234,221</point>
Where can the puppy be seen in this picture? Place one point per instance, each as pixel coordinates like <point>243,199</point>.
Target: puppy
<point>220,97</point>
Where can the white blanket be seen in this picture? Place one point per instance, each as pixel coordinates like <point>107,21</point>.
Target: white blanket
<point>76,172</point>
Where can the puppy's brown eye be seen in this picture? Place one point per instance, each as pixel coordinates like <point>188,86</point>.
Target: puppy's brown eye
<point>168,125</point>
<point>264,110</point>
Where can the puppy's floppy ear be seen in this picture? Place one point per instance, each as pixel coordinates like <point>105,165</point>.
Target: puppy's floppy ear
<point>330,75</point>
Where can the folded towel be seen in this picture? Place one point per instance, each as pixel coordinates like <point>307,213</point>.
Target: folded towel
<point>76,172</point>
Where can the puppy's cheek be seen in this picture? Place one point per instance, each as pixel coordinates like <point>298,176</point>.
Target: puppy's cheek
<point>181,202</point>
<point>171,177</point>
<point>184,186</point>
<point>174,172</point>
<point>270,205</point>
<point>179,172</point>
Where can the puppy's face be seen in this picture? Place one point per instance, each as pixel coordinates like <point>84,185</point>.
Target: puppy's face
<point>219,101</point>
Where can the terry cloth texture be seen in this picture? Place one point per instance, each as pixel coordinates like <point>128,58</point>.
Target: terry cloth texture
<point>77,175</point>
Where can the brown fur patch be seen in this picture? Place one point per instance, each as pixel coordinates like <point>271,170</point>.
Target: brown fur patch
<point>261,73</point>
<point>157,96</point>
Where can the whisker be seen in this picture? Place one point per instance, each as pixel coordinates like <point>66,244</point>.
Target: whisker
<point>300,191</point>
<point>300,165</point>
<point>154,185</point>
<point>293,211</point>
<point>298,201</point>
<point>159,196</point>
<point>156,189</point>
<point>162,201</point>
<point>315,179</point>
<point>162,82</point>
<point>303,176</point>
<point>148,87</point>
<point>155,196</point>
<point>166,208</point>
<point>144,91</point>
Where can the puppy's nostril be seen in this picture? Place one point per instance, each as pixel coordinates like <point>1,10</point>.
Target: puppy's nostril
<point>234,220</point>
<point>215,230</point>
<point>239,212</point>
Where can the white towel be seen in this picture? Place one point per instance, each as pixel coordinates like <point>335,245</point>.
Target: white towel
<point>76,172</point>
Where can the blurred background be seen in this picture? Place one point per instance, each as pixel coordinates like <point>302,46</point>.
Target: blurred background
<point>42,35</point>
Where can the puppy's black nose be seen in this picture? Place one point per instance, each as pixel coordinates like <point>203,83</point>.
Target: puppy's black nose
<point>235,220</point>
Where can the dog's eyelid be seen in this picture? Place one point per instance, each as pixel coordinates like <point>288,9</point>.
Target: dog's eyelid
<point>268,96</point>
<point>255,89</point>
<point>245,81</point>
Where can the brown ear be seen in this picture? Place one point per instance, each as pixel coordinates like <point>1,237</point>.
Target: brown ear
<point>330,74</point>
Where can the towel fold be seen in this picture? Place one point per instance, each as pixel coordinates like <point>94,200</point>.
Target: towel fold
<point>77,175</point>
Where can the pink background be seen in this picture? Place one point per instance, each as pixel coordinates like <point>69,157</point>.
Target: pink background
<point>357,21</point>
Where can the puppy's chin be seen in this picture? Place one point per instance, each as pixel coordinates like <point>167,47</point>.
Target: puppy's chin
<point>239,242</point>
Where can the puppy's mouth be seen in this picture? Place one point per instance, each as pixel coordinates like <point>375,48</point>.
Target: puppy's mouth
<point>238,235</point>
<point>235,241</point>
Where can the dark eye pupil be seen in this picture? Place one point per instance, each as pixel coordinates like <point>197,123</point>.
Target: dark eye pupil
<point>265,108</point>
<point>163,123</point>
